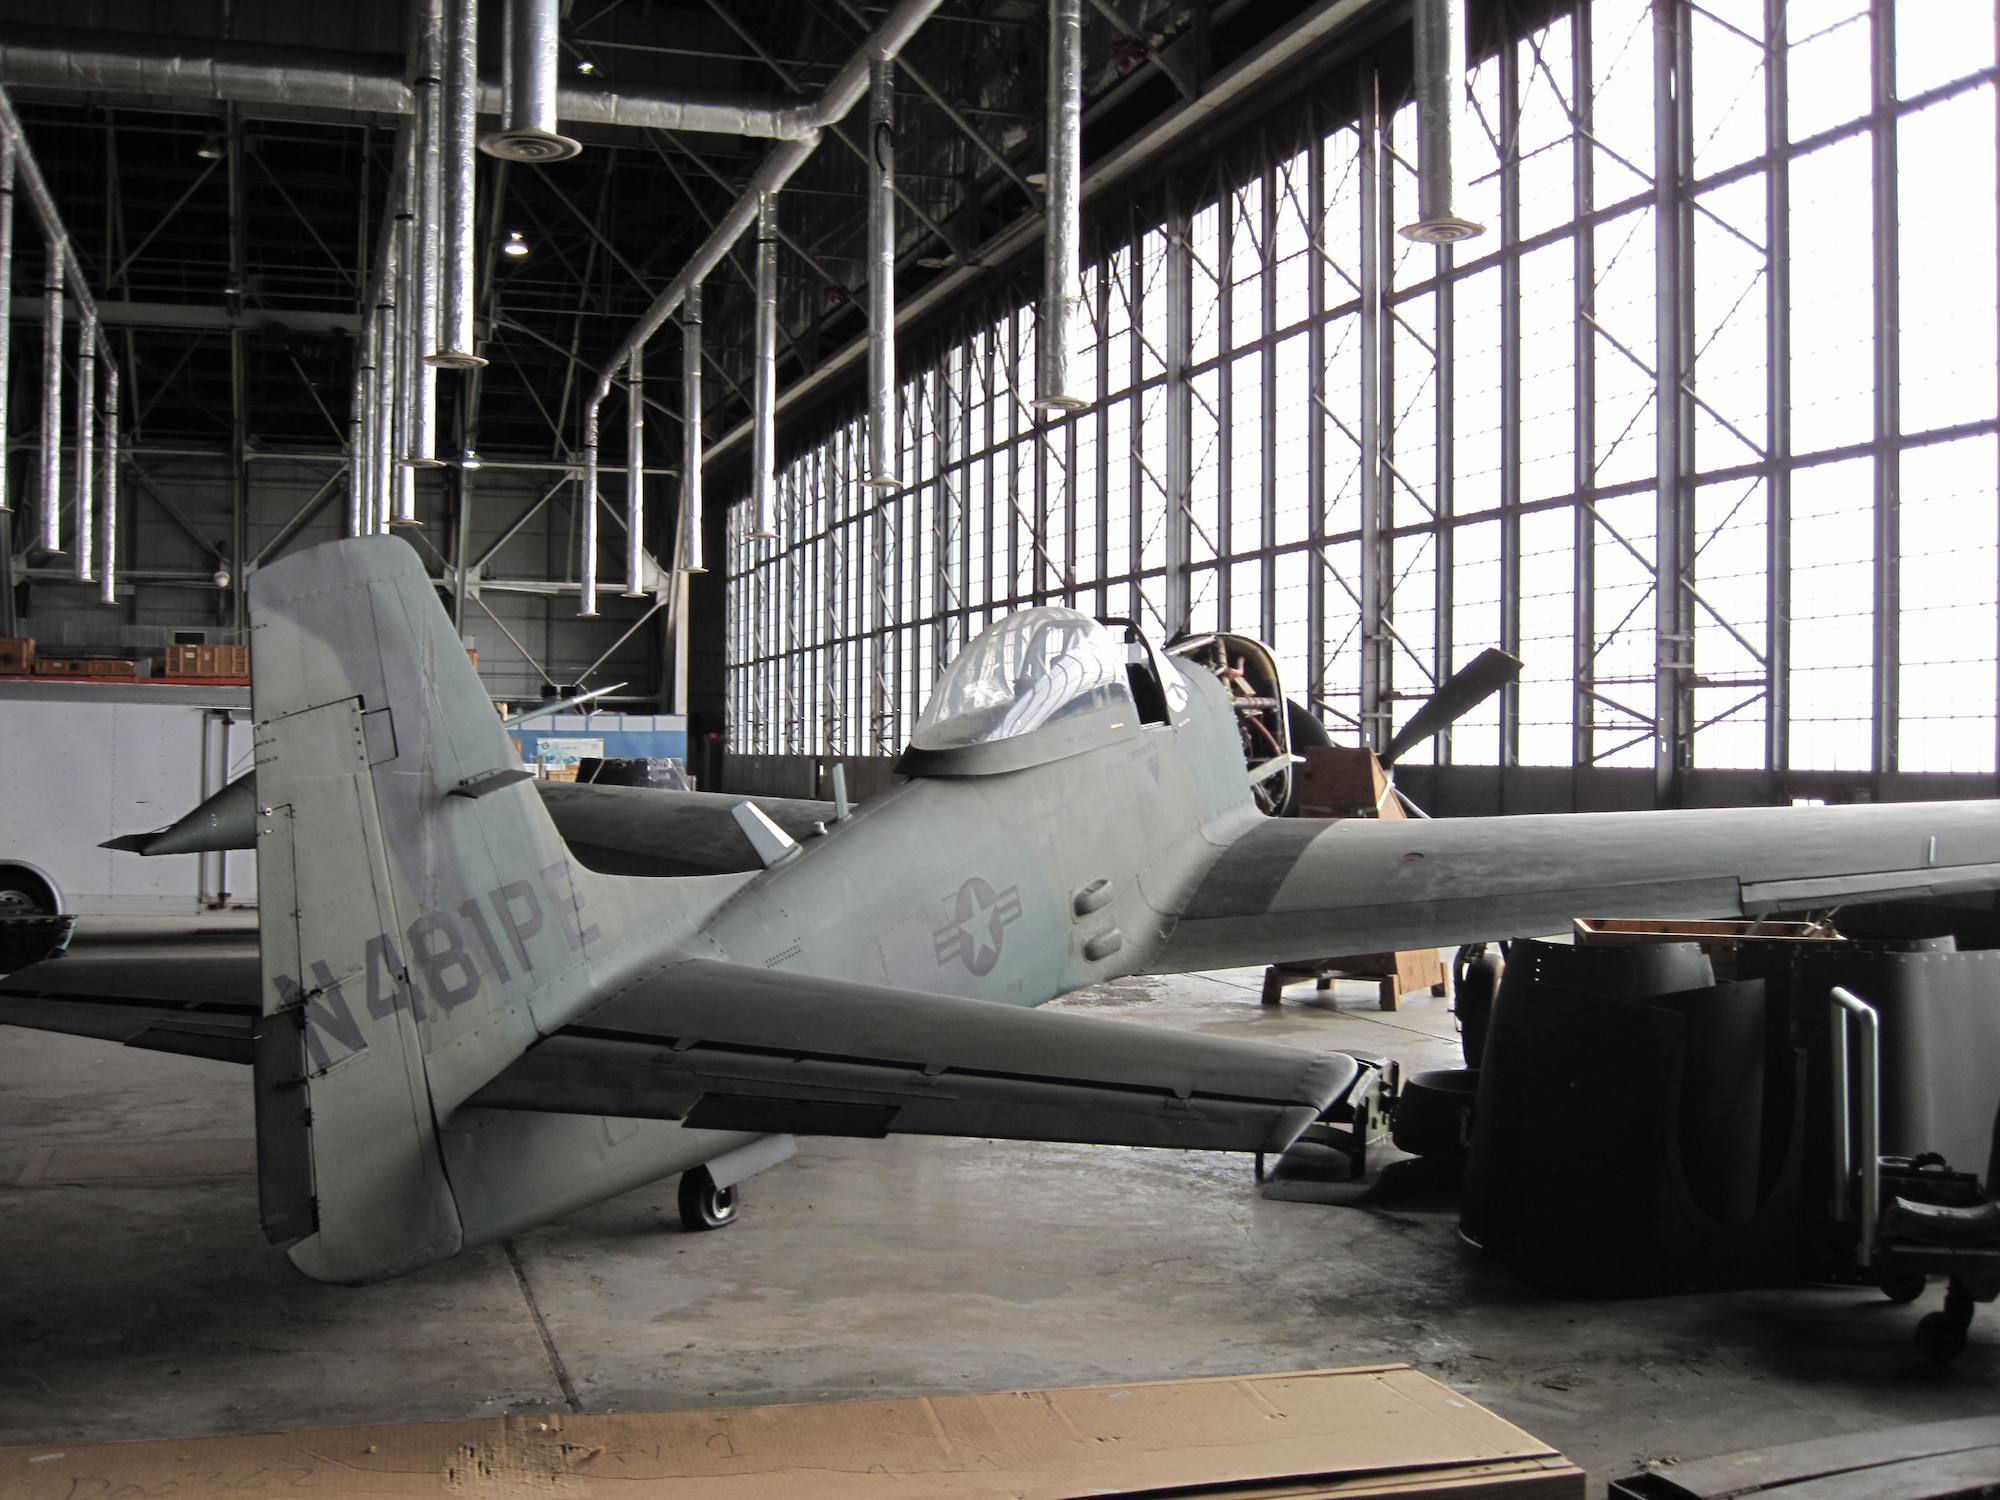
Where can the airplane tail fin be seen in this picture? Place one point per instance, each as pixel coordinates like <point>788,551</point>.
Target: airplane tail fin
<point>421,921</point>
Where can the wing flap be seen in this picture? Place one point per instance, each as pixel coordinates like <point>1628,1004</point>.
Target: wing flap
<point>1304,888</point>
<point>726,1047</point>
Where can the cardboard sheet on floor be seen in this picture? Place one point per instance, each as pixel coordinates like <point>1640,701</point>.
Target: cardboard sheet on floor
<point>1377,1431</point>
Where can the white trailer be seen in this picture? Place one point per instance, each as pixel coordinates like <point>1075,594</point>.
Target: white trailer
<point>82,762</point>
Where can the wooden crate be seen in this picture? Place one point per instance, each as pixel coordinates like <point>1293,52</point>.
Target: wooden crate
<point>208,661</point>
<point>84,666</point>
<point>17,656</point>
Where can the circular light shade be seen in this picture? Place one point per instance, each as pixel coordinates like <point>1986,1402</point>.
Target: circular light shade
<point>515,244</point>
<point>529,145</point>
<point>470,461</point>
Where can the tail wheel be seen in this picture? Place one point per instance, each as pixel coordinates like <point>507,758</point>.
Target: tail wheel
<point>703,1204</point>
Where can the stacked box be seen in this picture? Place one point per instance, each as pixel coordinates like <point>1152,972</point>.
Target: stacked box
<point>17,656</point>
<point>208,661</point>
<point>84,666</point>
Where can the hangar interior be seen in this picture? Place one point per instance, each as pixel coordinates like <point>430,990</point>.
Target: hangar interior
<point>1700,420</point>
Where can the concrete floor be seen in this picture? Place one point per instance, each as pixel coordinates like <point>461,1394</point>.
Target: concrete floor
<point>150,1306</point>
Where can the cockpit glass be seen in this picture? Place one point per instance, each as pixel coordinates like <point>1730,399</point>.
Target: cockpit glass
<point>1031,669</point>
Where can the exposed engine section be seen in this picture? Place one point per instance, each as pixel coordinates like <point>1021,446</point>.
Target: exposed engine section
<point>1250,673</point>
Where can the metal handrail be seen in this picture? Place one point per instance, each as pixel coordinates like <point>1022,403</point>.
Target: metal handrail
<point>1845,1004</point>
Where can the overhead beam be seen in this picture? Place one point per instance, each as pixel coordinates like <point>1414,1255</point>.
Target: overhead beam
<point>192,315</point>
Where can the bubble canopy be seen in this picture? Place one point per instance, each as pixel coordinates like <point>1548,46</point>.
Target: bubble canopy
<point>1033,669</point>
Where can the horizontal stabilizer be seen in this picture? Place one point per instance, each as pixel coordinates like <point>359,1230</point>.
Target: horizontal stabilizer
<point>199,1000</point>
<point>726,1047</point>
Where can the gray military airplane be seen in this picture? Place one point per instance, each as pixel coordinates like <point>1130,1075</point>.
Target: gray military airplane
<point>474,1009</point>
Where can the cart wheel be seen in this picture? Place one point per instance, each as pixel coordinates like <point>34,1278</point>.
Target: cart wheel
<point>1940,1337</point>
<point>1904,1286</point>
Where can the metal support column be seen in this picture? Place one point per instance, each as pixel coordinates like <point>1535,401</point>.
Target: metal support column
<point>1778,395</point>
<point>1510,393</point>
<point>1375,705</point>
<point>1583,618</point>
<point>6,324</point>
<point>1888,400</point>
<point>53,251</point>
<point>1672,619</point>
<point>1317,419</point>
<point>85,547</point>
<point>635,474</point>
<point>1176,595</point>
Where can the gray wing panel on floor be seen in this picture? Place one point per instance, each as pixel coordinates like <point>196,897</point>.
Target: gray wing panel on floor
<point>725,1047</point>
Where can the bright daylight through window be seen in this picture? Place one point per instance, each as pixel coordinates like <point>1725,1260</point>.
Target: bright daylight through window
<point>1746,246</point>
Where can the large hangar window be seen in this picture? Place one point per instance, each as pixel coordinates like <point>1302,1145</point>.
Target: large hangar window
<point>1703,428</point>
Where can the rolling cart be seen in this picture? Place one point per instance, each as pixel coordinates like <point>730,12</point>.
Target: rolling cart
<point>1914,1217</point>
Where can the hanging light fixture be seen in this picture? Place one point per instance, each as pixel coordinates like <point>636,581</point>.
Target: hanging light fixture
<point>515,244</point>
<point>211,147</point>
<point>470,461</point>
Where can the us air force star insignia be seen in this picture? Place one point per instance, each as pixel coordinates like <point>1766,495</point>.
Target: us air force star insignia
<point>980,917</point>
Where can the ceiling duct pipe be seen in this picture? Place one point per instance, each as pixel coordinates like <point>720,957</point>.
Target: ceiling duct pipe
<point>249,73</point>
<point>528,82</point>
<point>635,474</point>
<point>403,335</point>
<point>882,446</point>
<point>86,451</point>
<point>841,95</point>
<point>459,163</point>
<point>1062,240</point>
<point>107,567</point>
<point>359,429</point>
<point>764,375</point>
<point>690,558</point>
<point>52,385</point>
<point>426,186</point>
<point>383,459</point>
<point>1440,85</point>
<point>7,291</point>
<point>586,542</point>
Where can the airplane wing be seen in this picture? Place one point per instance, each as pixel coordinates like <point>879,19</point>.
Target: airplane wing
<point>1300,888</point>
<point>725,1047</point>
<point>198,1001</point>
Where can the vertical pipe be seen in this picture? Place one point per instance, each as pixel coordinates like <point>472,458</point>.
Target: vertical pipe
<point>1374,704</point>
<point>1440,80</point>
<point>1888,400</point>
<point>1667,562</point>
<point>528,86</point>
<point>85,551</point>
<point>1778,395</point>
<point>360,470</point>
<point>458,163</point>
<point>1583,637</point>
<point>635,473</point>
<point>586,519</point>
<point>1064,207</point>
<point>1180,422</point>
<point>383,453</point>
<point>690,559</point>
<point>764,390</point>
<point>882,447</point>
<point>1511,89</point>
<point>425,188</point>
<point>403,336</point>
<point>7,292</point>
<point>52,383</point>
<point>1316,420</point>
<point>107,568</point>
